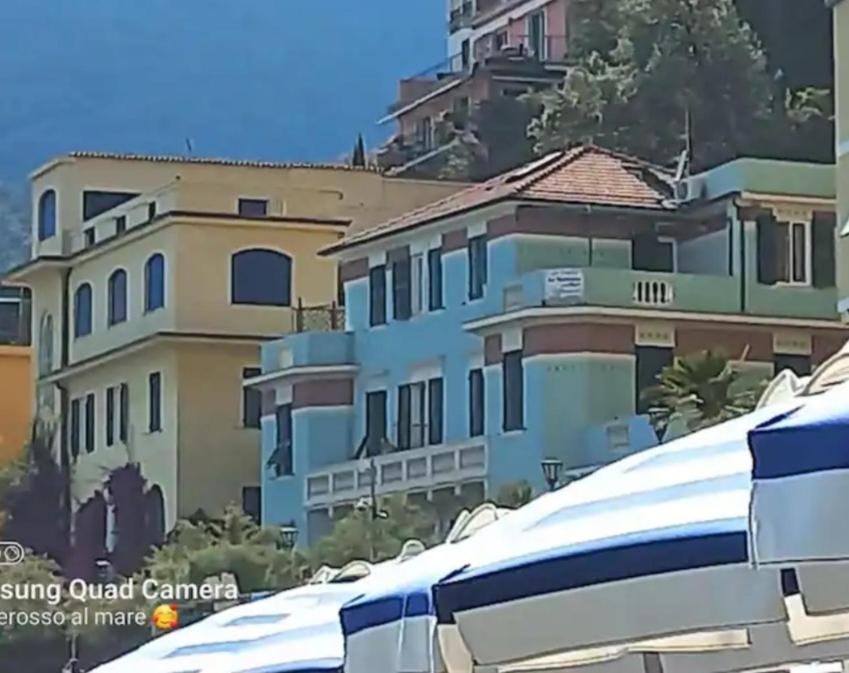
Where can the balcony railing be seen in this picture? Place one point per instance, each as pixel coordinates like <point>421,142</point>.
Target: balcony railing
<point>323,318</point>
<point>423,468</point>
<point>546,48</point>
<point>460,16</point>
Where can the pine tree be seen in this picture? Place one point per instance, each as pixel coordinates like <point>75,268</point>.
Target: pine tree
<point>358,158</point>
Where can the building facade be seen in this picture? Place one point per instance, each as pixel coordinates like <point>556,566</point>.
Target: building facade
<point>496,48</point>
<point>15,384</point>
<point>154,280</point>
<point>519,320</point>
<point>841,62</point>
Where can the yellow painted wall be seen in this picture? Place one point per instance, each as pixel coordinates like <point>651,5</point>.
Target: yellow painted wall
<point>218,456</point>
<point>156,452</point>
<point>841,60</point>
<point>15,400</point>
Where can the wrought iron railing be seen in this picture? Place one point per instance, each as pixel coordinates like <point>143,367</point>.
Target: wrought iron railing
<point>323,318</point>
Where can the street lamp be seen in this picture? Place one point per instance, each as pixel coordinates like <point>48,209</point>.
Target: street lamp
<point>552,468</point>
<point>289,535</point>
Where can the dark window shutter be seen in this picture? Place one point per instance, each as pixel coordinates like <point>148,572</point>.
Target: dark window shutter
<point>401,290</point>
<point>651,361</point>
<point>110,416</point>
<point>476,403</point>
<point>513,417</point>
<point>768,271</point>
<point>822,236</point>
<point>75,428</point>
<point>375,421</point>
<point>404,417</point>
<point>434,262</point>
<point>435,405</point>
<point>650,254</point>
<point>377,295</point>
<point>89,423</point>
<point>124,413</point>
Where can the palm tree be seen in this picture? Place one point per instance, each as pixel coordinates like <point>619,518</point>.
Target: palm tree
<point>701,389</point>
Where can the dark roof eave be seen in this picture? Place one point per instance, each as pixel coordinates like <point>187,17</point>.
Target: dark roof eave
<point>341,245</point>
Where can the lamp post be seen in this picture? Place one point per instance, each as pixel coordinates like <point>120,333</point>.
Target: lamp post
<point>552,468</point>
<point>289,535</point>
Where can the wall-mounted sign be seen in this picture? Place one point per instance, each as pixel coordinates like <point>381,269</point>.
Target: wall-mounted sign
<point>563,284</point>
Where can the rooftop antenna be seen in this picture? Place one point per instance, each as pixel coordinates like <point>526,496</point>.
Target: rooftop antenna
<point>683,169</point>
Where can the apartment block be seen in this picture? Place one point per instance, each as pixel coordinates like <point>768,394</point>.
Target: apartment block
<point>154,280</point>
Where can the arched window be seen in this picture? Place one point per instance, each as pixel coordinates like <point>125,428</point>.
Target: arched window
<point>45,344</point>
<point>154,282</point>
<point>155,515</point>
<point>261,277</point>
<point>47,215</point>
<point>117,297</point>
<point>82,310</point>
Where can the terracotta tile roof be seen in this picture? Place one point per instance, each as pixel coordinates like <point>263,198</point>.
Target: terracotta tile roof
<point>582,175</point>
<point>173,159</point>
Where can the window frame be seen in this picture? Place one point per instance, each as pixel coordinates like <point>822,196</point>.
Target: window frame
<point>370,405</point>
<point>513,398</point>
<point>251,400</point>
<point>288,467</point>
<point>88,323</point>
<point>477,416</point>
<point>252,201</point>
<point>41,221</point>
<point>154,411</point>
<point>477,263</point>
<point>418,283</point>
<point>251,295</point>
<point>114,316</point>
<point>789,253</point>
<point>436,411</point>
<point>377,309</point>
<point>90,423</point>
<point>435,290</point>
<point>149,306</point>
<point>123,412</point>
<point>110,416</point>
<point>75,427</point>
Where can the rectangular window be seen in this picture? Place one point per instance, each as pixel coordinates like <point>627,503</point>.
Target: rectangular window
<point>651,361</point>
<point>799,253</point>
<point>435,404</point>
<point>121,224</point>
<point>95,203</point>
<point>476,403</point>
<point>417,284</point>
<point>434,276</point>
<point>251,400</point>
<point>514,394</point>
<point>411,415</point>
<point>283,458</point>
<point>253,207</point>
<point>110,416</point>
<point>477,266</point>
<point>784,251</point>
<point>536,35</point>
<point>798,364</point>
<point>650,253</point>
<point>500,40</point>
<point>375,421</point>
<point>89,237</point>
<point>75,428</point>
<point>89,423</point>
<point>124,413</point>
<point>154,404</point>
<point>401,289</point>
<point>377,295</point>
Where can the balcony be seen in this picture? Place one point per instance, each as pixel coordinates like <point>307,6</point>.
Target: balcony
<point>460,16</point>
<point>525,50</point>
<point>321,318</point>
<point>403,471</point>
<point>624,288</point>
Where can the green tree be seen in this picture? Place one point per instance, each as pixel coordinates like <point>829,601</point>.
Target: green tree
<point>358,156</point>
<point>655,74</point>
<point>233,545</point>
<point>514,494</point>
<point>701,389</point>
<point>14,226</point>
<point>362,536</point>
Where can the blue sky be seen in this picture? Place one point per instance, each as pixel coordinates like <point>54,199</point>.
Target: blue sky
<point>271,79</point>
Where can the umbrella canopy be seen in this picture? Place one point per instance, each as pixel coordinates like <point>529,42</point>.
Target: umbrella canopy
<point>800,492</point>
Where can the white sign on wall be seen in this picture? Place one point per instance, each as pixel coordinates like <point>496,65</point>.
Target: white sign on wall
<point>564,284</point>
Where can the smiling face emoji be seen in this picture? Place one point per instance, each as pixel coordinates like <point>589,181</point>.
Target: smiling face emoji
<point>165,617</point>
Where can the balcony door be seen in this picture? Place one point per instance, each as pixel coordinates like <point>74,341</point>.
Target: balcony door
<point>652,253</point>
<point>536,35</point>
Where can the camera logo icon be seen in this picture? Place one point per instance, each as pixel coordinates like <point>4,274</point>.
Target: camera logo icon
<point>11,553</point>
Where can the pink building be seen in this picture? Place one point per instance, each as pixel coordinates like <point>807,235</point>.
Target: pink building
<point>496,48</point>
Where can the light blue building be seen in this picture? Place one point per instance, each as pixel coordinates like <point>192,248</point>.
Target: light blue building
<point>519,319</point>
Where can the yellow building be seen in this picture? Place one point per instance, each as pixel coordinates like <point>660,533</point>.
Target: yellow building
<point>841,61</point>
<point>15,387</point>
<point>154,280</point>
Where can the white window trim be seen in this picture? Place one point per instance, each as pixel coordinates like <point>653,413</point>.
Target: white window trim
<point>809,261</point>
